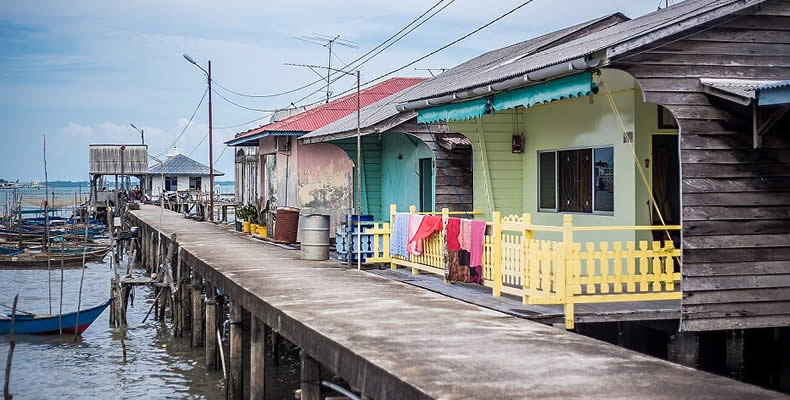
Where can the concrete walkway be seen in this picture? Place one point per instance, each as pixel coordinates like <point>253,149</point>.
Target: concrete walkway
<point>396,341</point>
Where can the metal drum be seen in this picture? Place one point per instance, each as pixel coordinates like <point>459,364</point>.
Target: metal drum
<point>315,237</point>
<point>287,225</point>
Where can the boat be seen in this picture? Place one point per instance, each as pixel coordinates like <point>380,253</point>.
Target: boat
<point>41,324</point>
<point>70,258</point>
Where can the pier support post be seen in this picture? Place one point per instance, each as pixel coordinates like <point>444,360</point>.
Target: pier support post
<point>197,310</point>
<point>236,369</point>
<point>257,359</point>
<point>211,328</point>
<point>734,344</point>
<point>684,349</point>
<point>311,377</point>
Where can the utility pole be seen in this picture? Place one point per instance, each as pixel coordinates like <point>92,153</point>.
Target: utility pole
<point>210,151</point>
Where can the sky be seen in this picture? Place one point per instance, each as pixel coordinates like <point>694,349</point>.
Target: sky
<point>79,72</point>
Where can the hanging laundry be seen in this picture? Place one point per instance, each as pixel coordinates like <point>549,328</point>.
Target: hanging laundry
<point>428,226</point>
<point>414,224</point>
<point>399,238</point>
<point>477,233</point>
<point>453,230</point>
<point>465,235</point>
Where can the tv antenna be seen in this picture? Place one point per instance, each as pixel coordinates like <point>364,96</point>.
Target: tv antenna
<point>328,42</point>
<point>430,70</point>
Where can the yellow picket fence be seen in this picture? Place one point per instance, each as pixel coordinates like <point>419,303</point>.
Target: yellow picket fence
<point>563,272</point>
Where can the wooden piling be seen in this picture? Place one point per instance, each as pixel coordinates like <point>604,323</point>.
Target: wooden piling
<point>211,327</point>
<point>197,310</point>
<point>257,359</point>
<point>236,370</point>
<point>310,377</point>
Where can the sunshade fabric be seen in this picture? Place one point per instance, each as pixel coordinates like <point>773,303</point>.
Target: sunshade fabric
<point>568,87</point>
<point>453,111</point>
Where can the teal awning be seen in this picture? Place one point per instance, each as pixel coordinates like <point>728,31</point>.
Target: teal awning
<point>568,87</point>
<point>453,111</point>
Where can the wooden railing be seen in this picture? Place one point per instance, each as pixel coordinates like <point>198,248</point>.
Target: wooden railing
<point>562,272</point>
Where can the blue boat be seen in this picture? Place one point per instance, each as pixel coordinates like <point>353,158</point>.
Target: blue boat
<point>48,323</point>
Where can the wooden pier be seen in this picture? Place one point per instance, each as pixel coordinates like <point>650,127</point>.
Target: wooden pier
<point>390,340</point>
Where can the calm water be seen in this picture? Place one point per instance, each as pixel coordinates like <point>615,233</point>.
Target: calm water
<point>158,366</point>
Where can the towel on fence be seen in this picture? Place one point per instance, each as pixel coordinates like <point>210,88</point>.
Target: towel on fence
<point>478,230</point>
<point>399,238</point>
<point>453,229</point>
<point>465,234</point>
<point>428,226</point>
<point>414,247</point>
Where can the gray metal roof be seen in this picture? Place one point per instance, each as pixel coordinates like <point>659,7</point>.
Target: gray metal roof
<point>513,61</point>
<point>182,165</point>
<point>744,88</point>
<point>385,109</point>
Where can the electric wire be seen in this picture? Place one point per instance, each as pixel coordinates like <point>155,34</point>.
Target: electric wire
<point>347,65</point>
<point>486,25</point>
<point>189,122</point>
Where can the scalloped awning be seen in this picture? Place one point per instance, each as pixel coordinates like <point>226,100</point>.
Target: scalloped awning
<point>568,87</point>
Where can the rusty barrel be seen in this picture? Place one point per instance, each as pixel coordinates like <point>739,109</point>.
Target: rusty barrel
<point>315,237</point>
<point>287,225</point>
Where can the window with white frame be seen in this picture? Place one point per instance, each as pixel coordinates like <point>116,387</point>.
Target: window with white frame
<point>195,183</point>
<point>576,180</point>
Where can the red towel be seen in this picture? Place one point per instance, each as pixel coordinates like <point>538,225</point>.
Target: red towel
<point>428,226</point>
<point>453,230</point>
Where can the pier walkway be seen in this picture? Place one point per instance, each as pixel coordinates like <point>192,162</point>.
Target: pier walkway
<point>396,341</point>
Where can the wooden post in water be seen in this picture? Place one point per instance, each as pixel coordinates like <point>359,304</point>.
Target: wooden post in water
<point>211,327</point>
<point>310,377</point>
<point>197,310</point>
<point>236,363</point>
<point>257,359</point>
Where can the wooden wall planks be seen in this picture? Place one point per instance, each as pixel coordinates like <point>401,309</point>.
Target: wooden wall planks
<point>736,200</point>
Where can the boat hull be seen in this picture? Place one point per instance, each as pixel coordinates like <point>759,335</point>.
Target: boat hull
<point>49,324</point>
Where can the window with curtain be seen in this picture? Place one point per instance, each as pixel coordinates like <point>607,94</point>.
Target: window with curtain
<point>578,180</point>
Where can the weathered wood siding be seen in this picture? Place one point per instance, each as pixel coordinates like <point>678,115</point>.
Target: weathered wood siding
<point>736,200</point>
<point>453,171</point>
<point>247,177</point>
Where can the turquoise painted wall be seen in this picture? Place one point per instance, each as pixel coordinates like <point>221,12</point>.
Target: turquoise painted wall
<point>400,176</point>
<point>574,123</point>
<point>371,172</point>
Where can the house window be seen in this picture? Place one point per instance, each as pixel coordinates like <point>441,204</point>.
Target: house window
<point>171,183</point>
<point>579,180</point>
<point>194,183</point>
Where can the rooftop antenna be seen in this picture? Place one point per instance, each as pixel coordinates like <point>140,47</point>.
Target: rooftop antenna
<point>328,42</point>
<point>430,70</point>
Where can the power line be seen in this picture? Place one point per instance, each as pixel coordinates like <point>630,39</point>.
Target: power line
<point>385,48</point>
<point>244,123</point>
<point>347,65</point>
<point>187,124</point>
<point>486,25</point>
<point>240,105</point>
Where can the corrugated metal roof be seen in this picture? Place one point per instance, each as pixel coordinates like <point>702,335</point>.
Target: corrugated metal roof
<point>492,67</point>
<point>105,159</point>
<point>182,165</point>
<point>738,87</point>
<point>325,114</point>
<point>385,108</point>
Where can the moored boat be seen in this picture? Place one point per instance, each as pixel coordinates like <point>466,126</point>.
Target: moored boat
<point>69,258</point>
<point>39,324</point>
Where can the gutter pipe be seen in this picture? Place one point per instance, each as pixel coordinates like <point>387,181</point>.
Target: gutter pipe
<point>543,74</point>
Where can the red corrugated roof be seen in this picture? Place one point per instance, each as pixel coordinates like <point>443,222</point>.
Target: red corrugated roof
<point>325,114</point>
